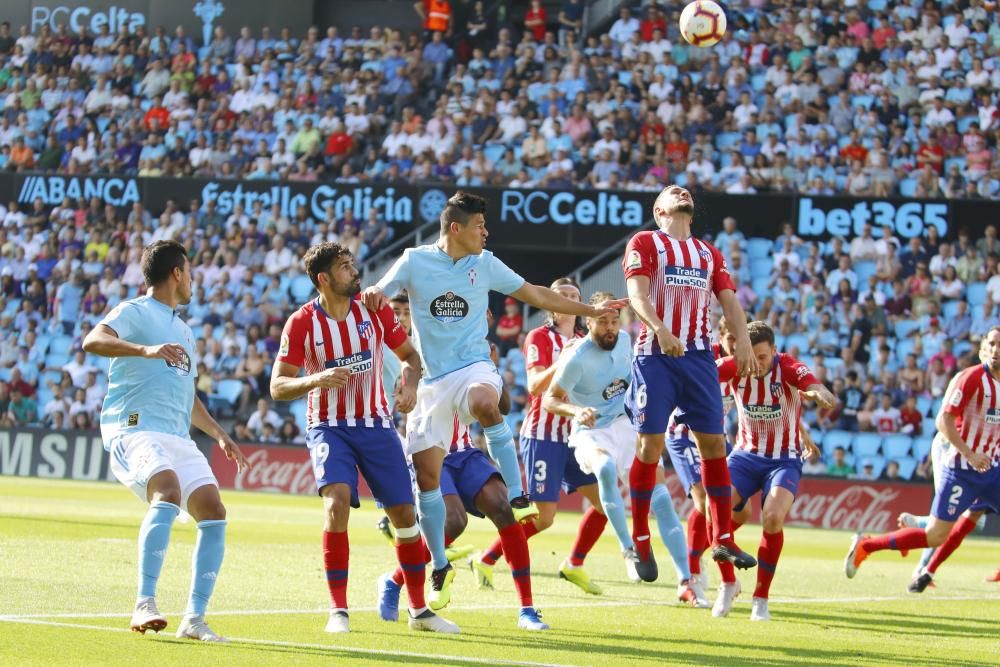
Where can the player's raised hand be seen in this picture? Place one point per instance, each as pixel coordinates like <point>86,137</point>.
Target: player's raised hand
<point>746,362</point>
<point>979,461</point>
<point>374,298</point>
<point>670,344</point>
<point>609,307</point>
<point>811,451</point>
<point>406,398</point>
<point>587,417</point>
<point>172,353</point>
<point>822,397</point>
<point>233,453</point>
<point>332,378</point>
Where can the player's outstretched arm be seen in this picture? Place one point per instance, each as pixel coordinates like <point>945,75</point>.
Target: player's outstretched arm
<point>746,362</point>
<point>946,426</point>
<point>556,401</point>
<point>810,450</point>
<point>374,299</point>
<point>287,386</point>
<point>547,299</point>
<point>820,395</point>
<point>104,341</point>
<point>205,423</point>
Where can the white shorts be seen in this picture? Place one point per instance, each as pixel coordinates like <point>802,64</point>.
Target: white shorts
<point>617,439</point>
<point>432,422</point>
<point>136,457</point>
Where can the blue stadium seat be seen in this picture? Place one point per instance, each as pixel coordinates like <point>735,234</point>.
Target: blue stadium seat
<point>949,309</point>
<point>862,101</point>
<point>965,122</point>
<point>49,376</point>
<point>903,348</point>
<point>298,410</point>
<point>897,445</point>
<point>5,373</point>
<point>10,310</point>
<point>907,466</point>
<point>865,270</point>
<point>758,81</point>
<point>301,288</point>
<point>56,361</point>
<point>60,345</point>
<point>936,406</point>
<point>929,425</point>
<point>761,267</point>
<point>906,327</point>
<point>866,444</point>
<point>759,285</point>
<point>798,340</point>
<point>727,140</point>
<point>877,463</point>
<point>924,404</point>
<point>759,248</point>
<point>922,446</point>
<point>227,393</point>
<point>681,179</point>
<point>908,187</point>
<point>953,162</point>
<point>494,152</point>
<point>834,439</point>
<point>976,294</point>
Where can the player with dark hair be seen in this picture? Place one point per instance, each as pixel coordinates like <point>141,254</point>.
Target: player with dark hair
<point>671,277</point>
<point>448,284</point>
<point>146,424</point>
<point>970,421</point>
<point>549,462</point>
<point>339,342</point>
<point>767,455</point>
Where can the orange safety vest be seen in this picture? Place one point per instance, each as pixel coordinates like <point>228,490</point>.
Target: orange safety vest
<point>438,14</point>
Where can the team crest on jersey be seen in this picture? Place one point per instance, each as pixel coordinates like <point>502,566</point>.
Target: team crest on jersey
<point>775,387</point>
<point>634,260</point>
<point>182,367</point>
<point>449,307</point>
<point>472,276</point>
<point>705,254</point>
<point>365,329</point>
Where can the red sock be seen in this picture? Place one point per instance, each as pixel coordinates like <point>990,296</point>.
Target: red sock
<point>697,535</point>
<point>641,480</point>
<point>413,564</point>
<point>515,545</point>
<point>336,553</point>
<point>591,527</point>
<point>900,540</point>
<point>726,568</point>
<point>715,477</point>
<point>397,576</point>
<point>962,527</point>
<point>767,561</point>
<point>495,552</point>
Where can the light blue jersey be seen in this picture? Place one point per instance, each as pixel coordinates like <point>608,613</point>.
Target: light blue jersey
<point>448,302</point>
<point>148,394</point>
<point>392,368</point>
<point>597,378</point>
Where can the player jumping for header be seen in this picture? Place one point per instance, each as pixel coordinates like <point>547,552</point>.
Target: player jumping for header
<point>671,277</point>
<point>340,342</point>
<point>970,421</point>
<point>146,425</point>
<point>448,283</point>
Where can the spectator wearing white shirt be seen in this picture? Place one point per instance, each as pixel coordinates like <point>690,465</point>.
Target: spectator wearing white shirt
<point>842,272</point>
<point>623,28</point>
<point>940,115</point>
<point>788,254</point>
<point>863,248</point>
<point>263,415</point>
<point>279,258</point>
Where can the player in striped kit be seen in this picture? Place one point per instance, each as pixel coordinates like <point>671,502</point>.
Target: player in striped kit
<point>471,484</point>
<point>339,343</point>
<point>970,420</point>
<point>671,277</point>
<point>549,463</point>
<point>768,451</point>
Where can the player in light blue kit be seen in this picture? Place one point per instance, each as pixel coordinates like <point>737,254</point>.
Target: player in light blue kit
<point>448,284</point>
<point>590,386</point>
<point>145,424</point>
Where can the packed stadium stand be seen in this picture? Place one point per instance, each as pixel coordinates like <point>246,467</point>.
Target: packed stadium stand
<point>873,98</point>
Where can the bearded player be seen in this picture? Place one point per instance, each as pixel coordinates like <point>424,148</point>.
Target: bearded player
<point>340,342</point>
<point>548,460</point>
<point>671,277</point>
<point>448,283</point>
<point>767,454</point>
<point>969,420</point>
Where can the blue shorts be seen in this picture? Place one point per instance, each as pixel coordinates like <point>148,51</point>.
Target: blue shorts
<point>551,466</point>
<point>339,452</point>
<point>751,473</point>
<point>662,383</point>
<point>959,490</point>
<point>685,459</point>
<point>464,474</point>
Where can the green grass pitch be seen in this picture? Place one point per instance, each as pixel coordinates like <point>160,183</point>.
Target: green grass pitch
<point>67,581</point>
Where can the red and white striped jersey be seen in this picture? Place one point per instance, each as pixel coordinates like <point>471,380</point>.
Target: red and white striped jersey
<point>683,276</point>
<point>461,439</point>
<point>972,398</point>
<point>769,407</point>
<point>541,350</point>
<point>678,430</point>
<point>314,341</point>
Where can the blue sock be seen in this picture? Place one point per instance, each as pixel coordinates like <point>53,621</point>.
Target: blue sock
<point>154,536</point>
<point>432,513</point>
<point>500,443</point>
<point>611,501</point>
<point>671,531</point>
<point>208,552</point>
<point>922,521</point>
<point>925,557</point>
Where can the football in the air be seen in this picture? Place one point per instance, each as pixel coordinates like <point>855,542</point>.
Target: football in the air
<point>703,23</point>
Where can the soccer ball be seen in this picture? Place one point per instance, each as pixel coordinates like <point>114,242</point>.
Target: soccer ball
<point>703,23</point>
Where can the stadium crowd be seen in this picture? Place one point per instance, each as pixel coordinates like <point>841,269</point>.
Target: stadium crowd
<point>817,97</point>
<point>864,101</point>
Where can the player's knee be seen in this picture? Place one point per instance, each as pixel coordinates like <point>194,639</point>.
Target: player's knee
<point>428,480</point>
<point>544,521</point>
<point>772,522</point>
<point>455,523</point>
<point>607,472</point>
<point>650,446</point>
<point>492,501</point>
<point>169,494</point>
<point>402,516</point>
<point>711,446</point>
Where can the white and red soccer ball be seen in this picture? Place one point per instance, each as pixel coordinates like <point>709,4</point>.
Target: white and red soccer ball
<point>703,23</point>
